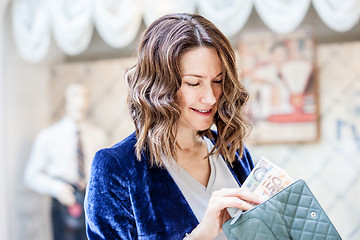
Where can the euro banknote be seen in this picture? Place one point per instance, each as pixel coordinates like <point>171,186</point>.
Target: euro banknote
<point>264,181</point>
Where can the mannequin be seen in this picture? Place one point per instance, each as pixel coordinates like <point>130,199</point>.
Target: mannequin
<point>53,168</point>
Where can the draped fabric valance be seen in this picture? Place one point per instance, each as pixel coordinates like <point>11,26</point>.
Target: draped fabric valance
<point>71,22</point>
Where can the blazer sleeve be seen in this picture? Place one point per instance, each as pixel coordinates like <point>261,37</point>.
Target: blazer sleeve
<point>108,209</point>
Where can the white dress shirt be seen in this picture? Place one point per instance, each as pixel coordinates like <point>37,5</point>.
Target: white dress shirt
<point>54,155</point>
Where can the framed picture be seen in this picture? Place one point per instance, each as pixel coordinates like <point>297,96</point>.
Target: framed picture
<point>278,71</point>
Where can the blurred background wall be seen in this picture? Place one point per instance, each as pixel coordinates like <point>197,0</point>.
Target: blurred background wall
<point>4,229</point>
<point>31,99</point>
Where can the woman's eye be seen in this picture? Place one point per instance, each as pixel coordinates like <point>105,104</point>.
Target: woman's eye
<point>192,84</point>
<point>217,81</point>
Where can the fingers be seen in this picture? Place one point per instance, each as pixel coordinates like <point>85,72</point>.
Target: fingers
<point>216,213</point>
<point>249,197</point>
<point>239,193</point>
<point>226,202</point>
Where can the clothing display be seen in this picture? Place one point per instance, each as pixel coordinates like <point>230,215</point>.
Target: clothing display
<point>54,157</point>
<point>80,159</point>
<point>68,222</point>
<point>61,157</point>
<point>129,199</point>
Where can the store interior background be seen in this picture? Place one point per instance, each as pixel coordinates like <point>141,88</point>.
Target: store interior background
<point>331,165</point>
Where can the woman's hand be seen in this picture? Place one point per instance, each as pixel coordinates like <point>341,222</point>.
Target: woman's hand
<point>216,213</point>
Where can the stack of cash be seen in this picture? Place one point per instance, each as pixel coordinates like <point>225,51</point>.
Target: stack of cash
<point>264,181</point>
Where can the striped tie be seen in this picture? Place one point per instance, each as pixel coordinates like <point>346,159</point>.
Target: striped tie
<point>80,159</point>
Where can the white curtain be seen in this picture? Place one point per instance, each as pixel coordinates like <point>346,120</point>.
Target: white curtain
<point>154,9</point>
<point>71,24</point>
<point>228,15</point>
<point>30,25</point>
<point>339,15</point>
<point>117,21</point>
<point>282,16</point>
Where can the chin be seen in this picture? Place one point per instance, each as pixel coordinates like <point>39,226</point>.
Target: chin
<point>203,128</point>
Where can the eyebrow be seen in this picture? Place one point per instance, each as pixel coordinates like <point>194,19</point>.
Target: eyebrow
<point>200,76</point>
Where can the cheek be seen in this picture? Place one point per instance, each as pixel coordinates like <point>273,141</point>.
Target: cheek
<point>218,93</point>
<point>180,101</point>
<point>186,96</point>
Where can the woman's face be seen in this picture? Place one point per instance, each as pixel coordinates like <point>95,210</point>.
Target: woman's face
<point>201,88</point>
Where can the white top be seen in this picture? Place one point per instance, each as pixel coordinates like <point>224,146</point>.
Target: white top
<point>196,194</point>
<point>54,155</point>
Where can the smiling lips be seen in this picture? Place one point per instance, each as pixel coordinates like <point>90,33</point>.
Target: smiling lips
<point>203,112</point>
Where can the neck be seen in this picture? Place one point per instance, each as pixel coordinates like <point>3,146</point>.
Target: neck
<point>187,139</point>
<point>192,155</point>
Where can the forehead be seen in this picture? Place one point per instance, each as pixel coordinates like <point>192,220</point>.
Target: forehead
<point>201,61</point>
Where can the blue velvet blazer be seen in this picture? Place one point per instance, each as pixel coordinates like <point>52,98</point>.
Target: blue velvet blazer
<point>129,199</point>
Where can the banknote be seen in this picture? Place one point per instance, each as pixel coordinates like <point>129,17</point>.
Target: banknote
<point>264,181</point>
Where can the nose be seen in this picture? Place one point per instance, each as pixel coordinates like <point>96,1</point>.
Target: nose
<point>208,97</point>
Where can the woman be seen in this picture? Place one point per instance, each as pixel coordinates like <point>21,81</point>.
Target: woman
<point>174,178</point>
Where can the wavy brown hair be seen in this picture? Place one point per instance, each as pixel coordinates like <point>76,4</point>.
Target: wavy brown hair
<point>155,78</point>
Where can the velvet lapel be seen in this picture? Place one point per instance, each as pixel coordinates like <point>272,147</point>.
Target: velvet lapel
<point>160,207</point>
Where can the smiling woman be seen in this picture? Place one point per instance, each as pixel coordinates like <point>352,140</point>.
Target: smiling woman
<point>157,76</point>
<point>200,89</point>
<point>174,177</point>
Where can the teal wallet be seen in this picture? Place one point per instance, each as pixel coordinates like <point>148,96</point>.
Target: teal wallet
<point>293,213</point>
